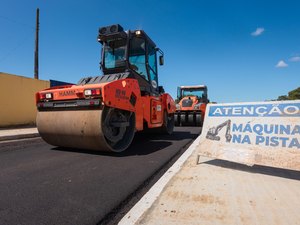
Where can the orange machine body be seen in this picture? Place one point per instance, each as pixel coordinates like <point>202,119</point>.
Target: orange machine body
<point>121,94</point>
<point>193,108</point>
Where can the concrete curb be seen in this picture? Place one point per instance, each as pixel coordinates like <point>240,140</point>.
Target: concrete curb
<point>18,133</point>
<point>141,207</point>
<point>19,136</point>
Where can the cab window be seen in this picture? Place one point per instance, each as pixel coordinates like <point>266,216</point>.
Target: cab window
<point>152,66</point>
<point>114,54</point>
<point>137,56</point>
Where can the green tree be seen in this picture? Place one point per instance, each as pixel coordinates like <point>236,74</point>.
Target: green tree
<point>283,97</point>
<point>292,95</point>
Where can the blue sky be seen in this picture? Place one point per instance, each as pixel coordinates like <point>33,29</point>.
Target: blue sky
<point>242,50</point>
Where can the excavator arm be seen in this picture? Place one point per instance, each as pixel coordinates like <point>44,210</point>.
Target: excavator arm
<point>213,132</point>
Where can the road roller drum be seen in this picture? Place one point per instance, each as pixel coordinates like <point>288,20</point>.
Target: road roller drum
<point>88,129</point>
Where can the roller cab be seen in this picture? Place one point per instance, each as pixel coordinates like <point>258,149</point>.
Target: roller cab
<point>104,112</point>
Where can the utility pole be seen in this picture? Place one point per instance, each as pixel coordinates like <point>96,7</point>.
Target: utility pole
<point>36,51</point>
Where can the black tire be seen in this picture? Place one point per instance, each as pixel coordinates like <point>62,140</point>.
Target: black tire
<point>191,119</point>
<point>176,120</point>
<point>168,123</point>
<point>182,119</point>
<point>199,119</point>
<point>118,136</point>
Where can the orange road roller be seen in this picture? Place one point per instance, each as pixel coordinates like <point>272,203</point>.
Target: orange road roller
<point>104,112</point>
<point>190,109</point>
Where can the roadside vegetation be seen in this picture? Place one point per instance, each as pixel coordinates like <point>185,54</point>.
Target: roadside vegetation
<point>292,95</point>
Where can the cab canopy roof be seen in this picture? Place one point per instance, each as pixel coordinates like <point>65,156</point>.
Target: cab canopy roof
<point>116,31</point>
<point>193,87</point>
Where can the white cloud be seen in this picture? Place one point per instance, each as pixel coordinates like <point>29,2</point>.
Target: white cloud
<point>295,59</point>
<point>258,31</point>
<point>281,64</point>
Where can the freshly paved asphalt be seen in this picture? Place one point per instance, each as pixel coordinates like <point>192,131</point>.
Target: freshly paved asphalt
<point>42,184</point>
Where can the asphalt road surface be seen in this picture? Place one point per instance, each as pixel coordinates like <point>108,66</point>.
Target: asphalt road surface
<point>42,184</point>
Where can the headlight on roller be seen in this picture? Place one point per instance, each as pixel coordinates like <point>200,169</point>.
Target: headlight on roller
<point>177,106</point>
<point>92,93</point>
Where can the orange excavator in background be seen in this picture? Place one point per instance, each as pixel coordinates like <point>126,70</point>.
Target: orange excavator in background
<point>104,112</point>
<point>191,105</point>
